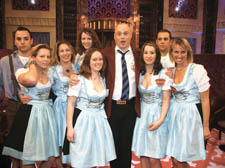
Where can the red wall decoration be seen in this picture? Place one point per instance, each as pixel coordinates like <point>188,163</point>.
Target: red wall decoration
<point>41,5</point>
<point>186,9</point>
<point>109,8</point>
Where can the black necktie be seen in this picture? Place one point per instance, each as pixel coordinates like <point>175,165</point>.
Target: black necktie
<point>125,87</point>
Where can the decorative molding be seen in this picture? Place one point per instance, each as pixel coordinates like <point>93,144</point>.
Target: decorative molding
<point>30,21</point>
<point>183,27</point>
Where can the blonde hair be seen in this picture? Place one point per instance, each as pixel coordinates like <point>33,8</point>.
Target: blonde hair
<point>37,47</point>
<point>184,44</point>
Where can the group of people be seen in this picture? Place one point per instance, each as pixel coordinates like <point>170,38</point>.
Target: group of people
<point>107,102</point>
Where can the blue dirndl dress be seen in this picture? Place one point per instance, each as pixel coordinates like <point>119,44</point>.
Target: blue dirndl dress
<point>186,140</point>
<point>151,143</point>
<point>60,88</point>
<point>93,145</point>
<point>39,136</point>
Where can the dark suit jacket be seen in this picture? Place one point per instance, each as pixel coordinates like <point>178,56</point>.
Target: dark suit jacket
<point>109,53</point>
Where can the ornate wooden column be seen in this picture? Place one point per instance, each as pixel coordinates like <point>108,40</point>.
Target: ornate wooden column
<point>59,20</point>
<point>209,26</point>
<point>66,26</point>
<point>160,9</point>
<point>151,19</point>
<point>70,21</point>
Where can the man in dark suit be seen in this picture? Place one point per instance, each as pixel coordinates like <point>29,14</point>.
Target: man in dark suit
<point>122,105</point>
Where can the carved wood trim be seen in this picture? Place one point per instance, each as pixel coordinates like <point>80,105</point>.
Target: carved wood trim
<point>30,21</point>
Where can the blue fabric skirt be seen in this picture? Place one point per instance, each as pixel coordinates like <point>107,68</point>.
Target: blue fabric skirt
<point>60,106</point>
<point>37,136</point>
<point>186,139</point>
<point>93,145</point>
<point>150,143</point>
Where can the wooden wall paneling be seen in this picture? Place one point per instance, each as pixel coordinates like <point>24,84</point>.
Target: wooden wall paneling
<point>209,26</point>
<point>59,20</point>
<point>70,21</point>
<point>106,38</point>
<point>160,9</point>
<point>148,21</point>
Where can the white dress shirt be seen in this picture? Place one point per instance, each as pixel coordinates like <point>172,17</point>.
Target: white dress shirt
<point>24,60</point>
<point>166,62</point>
<point>129,57</point>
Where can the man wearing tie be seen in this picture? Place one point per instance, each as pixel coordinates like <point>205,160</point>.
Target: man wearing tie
<point>122,105</point>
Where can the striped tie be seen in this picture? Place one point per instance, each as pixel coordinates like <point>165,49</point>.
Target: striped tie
<point>125,87</point>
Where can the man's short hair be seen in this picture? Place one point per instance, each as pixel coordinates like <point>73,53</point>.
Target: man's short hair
<point>123,22</point>
<point>21,28</point>
<point>165,31</point>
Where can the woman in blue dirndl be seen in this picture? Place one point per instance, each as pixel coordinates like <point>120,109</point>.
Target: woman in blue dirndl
<point>91,140</point>
<point>34,134</point>
<point>62,68</point>
<point>150,132</point>
<point>190,87</point>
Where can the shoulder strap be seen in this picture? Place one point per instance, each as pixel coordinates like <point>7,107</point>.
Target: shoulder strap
<point>13,77</point>
<point>192,70</point>
<point>192,67</point>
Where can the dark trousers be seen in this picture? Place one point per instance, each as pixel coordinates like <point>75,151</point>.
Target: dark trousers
<point>11,110</point>
<point>122,121</point>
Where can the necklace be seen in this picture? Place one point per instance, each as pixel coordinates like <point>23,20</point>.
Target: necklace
<point>94,77</point>
<point>67,70</point>
<point>67,67</point>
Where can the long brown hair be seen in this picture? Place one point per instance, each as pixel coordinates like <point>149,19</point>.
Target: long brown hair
<point>157,64</point>
<point>85,69</point>
<point>95,40</point>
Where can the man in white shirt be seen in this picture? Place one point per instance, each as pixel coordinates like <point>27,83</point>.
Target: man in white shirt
<point>122,107</point>
<point>23,41</point>
<point>163,41</point>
